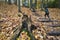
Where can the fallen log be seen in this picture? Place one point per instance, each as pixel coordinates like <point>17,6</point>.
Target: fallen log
<point>54,33</point>
<point>47,20</point>
<point>54,25</point>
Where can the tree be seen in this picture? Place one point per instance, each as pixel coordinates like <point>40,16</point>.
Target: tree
<point>57,3</point>
<point>16,2</point>
<point>5,1</point>
<point>19,6</point>
<point>35,3</point>
<point>30,4</point>
<point>9,1</point>
<point>42,4</point>
<point>47,3</point>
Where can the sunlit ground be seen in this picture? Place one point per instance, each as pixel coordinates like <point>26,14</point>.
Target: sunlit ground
<point>10,20</point>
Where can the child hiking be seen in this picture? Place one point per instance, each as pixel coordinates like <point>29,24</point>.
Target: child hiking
<point>46,13</point>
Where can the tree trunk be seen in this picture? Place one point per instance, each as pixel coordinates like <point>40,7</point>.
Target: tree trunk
<point>9,1</point>
<point>47,3</point>
<point>30,4</point>
<point>5,1</point>
<point>42,4</point>
<point>19,6</point>
<point>35,3</point>
<point>15,2</point>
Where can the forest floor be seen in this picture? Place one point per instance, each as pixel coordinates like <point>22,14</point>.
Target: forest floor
<point>9,20</point>
<point>45,27</point>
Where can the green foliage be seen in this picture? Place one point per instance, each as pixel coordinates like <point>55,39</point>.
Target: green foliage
<point>53,3</point>
<point>57,3</point>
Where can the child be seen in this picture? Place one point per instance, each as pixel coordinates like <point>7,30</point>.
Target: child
<point>25,22</point>
<point>46,12</point>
